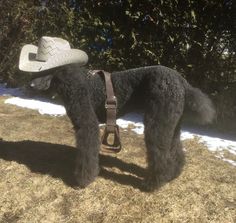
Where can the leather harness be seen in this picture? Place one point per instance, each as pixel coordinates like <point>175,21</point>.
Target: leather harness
<point>111,135</point>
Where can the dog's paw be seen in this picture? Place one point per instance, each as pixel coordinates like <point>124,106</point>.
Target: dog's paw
<point>151,184</point>
<point>85,177</point>
<point>148,186</point>
<point>82,180</point>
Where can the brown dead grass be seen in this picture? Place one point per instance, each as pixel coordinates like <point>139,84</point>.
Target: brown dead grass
<point>36,184</point>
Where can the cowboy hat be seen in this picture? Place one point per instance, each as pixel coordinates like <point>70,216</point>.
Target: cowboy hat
<point>51,52</point>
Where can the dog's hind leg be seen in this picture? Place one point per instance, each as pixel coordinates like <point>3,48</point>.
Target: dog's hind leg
<point>162,138</point>
<point>177,151</point>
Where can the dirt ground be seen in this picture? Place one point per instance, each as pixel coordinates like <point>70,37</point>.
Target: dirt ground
<point>36,183</point>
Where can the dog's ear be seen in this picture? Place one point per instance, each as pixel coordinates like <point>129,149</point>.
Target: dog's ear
<point>41,83</point>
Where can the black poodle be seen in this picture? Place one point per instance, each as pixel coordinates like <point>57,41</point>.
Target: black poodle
<point>161,93</point>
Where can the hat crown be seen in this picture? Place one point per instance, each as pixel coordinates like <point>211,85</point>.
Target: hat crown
<point>50,46</point>
<point>50,52</point>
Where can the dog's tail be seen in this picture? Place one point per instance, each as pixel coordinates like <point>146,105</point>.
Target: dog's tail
<point>198,105</point>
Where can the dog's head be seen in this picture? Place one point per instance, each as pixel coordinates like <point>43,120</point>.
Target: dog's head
<point>42,86</point>
<point>41,83</point>
<point>42,80</point>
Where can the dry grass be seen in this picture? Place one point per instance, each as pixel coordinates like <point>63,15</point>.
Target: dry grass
<point>37,158</point>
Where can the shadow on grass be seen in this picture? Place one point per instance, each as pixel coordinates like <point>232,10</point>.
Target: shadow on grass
<point>59,162</point>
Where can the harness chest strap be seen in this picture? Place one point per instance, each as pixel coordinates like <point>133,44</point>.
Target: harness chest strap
<point>111,128</point>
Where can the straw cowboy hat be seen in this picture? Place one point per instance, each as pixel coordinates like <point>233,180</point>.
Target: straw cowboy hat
<point>51,52</point>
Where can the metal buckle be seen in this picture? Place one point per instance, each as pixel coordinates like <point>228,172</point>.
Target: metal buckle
<point>111,104</point>
<point>111,147</point>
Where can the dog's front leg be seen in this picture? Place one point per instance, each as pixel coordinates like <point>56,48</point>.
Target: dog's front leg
<point>86,128</point>
<point>87,160</point>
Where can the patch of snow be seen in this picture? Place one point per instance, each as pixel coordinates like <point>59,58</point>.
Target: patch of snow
<point>135,121</point>
<point>214,144</point>
<point>217,144</point>
<point>43,107</point>
<point>186,135</point>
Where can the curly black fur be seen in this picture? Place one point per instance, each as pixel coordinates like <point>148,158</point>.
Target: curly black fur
<point>161,93</point>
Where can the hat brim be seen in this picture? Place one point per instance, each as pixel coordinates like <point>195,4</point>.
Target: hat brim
<point>28,62</point>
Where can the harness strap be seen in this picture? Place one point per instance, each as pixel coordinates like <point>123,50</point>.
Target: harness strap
<point>111,136</point>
